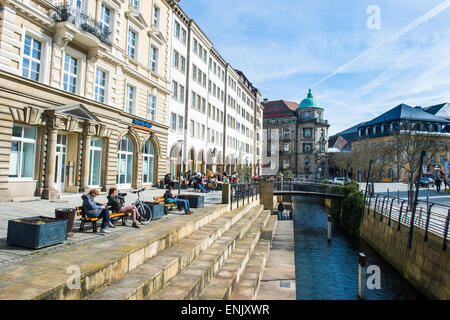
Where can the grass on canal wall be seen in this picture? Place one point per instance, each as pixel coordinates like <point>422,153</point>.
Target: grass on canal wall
<point>348,211</point>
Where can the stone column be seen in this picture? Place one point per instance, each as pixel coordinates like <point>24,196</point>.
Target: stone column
<point>84,180</point>
<point>49,191</point>
<point>267,198</point>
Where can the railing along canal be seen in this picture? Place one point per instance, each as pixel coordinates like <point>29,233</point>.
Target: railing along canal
<point>241,193</point>
<point>430,216</point>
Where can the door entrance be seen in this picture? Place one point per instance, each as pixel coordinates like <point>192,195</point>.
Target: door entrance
<point>60,162</point>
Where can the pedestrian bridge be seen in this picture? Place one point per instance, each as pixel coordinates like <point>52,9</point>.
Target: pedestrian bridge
<point>305,189</point>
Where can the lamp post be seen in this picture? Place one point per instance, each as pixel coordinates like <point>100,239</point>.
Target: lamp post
<point>181,142</point>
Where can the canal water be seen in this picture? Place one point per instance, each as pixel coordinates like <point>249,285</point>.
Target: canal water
<point>329,271</point>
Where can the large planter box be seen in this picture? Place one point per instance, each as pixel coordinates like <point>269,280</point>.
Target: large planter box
<point>157,210</point>
<point>36,232</point>
<point>194,200</point>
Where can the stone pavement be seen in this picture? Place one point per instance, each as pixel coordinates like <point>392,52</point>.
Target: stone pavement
<point>11,255</point>
<point>278,281</point>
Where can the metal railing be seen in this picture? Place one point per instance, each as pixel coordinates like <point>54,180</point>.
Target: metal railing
<point>430,216</point>
<point>241,193</point>
<point>309,186</point>
<point>65,12</point>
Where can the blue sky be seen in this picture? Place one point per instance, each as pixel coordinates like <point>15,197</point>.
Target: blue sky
<point>356,72</point>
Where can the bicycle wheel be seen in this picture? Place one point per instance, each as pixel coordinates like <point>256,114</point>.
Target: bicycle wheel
<point>145,213</point>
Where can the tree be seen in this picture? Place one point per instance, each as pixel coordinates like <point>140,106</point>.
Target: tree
<point>409,142</point>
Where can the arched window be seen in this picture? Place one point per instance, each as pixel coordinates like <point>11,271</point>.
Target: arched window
<point>148,162</point>
<point>125,162</point>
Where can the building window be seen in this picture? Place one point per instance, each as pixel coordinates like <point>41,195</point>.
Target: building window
<point>442,159</point>
<point>180,124</point>
<point>105,18</point>
<point>95,162</point>
<point>131,50</point>
<point>134,3</point>
<point>125,162</point>
<point>153,59</point>
<point>173,121</point>
<point>148,162</point>
<point>176,59</point>
<point>183,36</point>
<point>181,94</point>
<point>306,133</point>
<point>155,21</point>
<point>151,108</point>
<point>174,90</point>
<point>70,74</point>
<point>130,101</point>
<point>23,150</point>
<point>182,64</point>
<point>31,62</point>
<point>286,147</point>
<point>100,85</point>
<point>177,30</point>
<point>191,129</point>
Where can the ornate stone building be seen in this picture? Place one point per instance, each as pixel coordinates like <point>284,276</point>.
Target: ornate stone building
<point>83,95</point>
<point>303,136</point>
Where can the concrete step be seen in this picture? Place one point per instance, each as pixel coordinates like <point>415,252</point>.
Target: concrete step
<point>190,282</point>
<point>224,281</point>
<point>248,286</point>
<point>154,275</point>
<point>100,262</point>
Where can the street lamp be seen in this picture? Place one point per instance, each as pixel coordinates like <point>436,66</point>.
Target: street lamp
<point>181,142</point>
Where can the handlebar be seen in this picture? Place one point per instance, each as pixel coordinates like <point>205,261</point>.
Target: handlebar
<point>137,191</point>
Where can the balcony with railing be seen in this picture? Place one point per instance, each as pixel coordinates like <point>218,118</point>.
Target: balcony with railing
<point>66,13</point>
<point>313,120</point>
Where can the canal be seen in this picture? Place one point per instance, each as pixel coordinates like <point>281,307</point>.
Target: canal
<point>329,271</point>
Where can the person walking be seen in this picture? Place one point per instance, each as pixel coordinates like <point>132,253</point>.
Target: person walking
<point>281,208</point>
<point>438,184</point>
<point>96,210</point>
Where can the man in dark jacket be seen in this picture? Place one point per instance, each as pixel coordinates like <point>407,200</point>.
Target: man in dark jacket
<point>96,210</point>
<point>281,209</point>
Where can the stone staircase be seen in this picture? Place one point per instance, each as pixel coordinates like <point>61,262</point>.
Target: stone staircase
<point>208,255</point>
<point>207,264</point>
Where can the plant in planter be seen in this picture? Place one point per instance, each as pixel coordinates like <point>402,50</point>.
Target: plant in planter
<point>36,232</point>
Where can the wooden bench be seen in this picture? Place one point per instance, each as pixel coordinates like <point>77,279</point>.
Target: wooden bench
<point>114,217</point>
<point>167,206</point>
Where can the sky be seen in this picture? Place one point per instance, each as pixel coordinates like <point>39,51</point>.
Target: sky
<point>359,57</point>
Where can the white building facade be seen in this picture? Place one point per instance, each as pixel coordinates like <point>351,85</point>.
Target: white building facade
<point>214,112</point>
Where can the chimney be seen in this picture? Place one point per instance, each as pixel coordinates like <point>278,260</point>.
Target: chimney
<point>265,100</point>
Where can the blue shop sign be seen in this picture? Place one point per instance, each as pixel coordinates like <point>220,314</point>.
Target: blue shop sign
<point>142,123</point>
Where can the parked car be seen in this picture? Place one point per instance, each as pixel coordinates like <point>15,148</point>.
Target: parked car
<point>426,182</point>
<point>340,180</point>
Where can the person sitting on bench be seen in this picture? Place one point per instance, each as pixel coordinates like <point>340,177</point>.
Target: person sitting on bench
<point>170,198</point>
<point>168,180</point>
<point>199,184</point>
<point>115,201</point>
<point>96,210</point>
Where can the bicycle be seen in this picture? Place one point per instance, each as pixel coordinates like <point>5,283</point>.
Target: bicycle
<point>143,209</point>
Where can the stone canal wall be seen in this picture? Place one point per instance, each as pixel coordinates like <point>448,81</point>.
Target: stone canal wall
<point>426,266</point>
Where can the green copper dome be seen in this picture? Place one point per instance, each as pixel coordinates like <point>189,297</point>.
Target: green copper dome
<point>309,102</point>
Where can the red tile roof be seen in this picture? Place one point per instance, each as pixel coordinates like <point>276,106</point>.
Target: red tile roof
<point>280,109</point>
